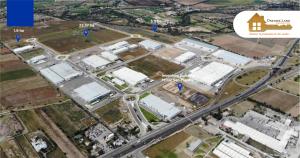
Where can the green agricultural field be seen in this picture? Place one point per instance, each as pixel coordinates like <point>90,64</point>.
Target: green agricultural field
<point>251,77</point>
<point>110,113</point>
<point>31,54</point>
<point>69,117</point>
<point>16,74</point>
<point>29,118</point>
<point>149,116</point>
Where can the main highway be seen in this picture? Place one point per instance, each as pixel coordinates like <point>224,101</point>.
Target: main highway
<point>181,123</point>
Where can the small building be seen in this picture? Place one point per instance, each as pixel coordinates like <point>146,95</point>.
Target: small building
<point>23,49</point>
<point>130,76</point>
<point>198,99</point>
<point>38,144</point>
<point>36,59</point>
<point>184,57</point>
<point>150,45</point>
<point>109,56</point>
<point>231,58</point>
<point>95,61</point>
<point>194,146</point>
<point>228,149</point>
<point>211,73</point>
<point>91,92</point>
<point>159,107</point>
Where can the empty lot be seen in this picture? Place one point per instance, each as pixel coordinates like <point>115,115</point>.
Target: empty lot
<point>276,99</point>
<point>155,67</point>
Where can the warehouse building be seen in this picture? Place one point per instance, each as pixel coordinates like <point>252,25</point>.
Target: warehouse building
<point>211,73</point>
<point>116,46</point>
<point>110,56</point>
<point>150,45</point>
<point>92,92</point>
<point>159,107</point>
<point>183,58</point>
<point>195,44</point>
<point>231,58</point>
<point>59,73</point>
<point>278,144</point>
<point>130,76</point>
<point>227,149</point>
<point>95,61</point>
<point>23,49</point>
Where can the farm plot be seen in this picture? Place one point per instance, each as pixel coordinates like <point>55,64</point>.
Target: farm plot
<point>10,149</point>
<point>289,86</point>
<point>21,86</point>
<point>72,40</point>
<point>169,53</point>
<point>69,117</point>
<point>276,99</point>
<point>251,77</point>
<point>247,47</point>
<point>154,67</point>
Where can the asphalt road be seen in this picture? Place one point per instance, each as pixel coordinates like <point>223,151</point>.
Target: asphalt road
<point>181,123</point>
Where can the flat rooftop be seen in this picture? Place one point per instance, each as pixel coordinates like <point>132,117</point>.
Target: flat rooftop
<point>91,91</point>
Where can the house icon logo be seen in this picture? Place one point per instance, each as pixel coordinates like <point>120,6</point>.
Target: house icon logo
<point>257,23</point>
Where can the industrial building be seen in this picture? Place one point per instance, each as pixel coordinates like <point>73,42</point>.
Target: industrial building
<point>91,92</point>
<point>278,144</point>
<point>211,73</point>
<point>193,147</point>
<point>116,46</point>
<point>150,45</point>
<point>59,73</point>
<point>120,47</point>
<point>23,49</point>
<point>231,58</point>
<point>130,76</point>
<point>185,57</point>
<point>37,59</point>
<point>159,107</point>
<point>195,44</point>
<point>95,61</point>
<point>198,99</point>
<point>109,56</point>
<point>228,149</point>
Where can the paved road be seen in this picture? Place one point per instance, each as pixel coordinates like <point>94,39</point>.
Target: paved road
<point>181,123</point>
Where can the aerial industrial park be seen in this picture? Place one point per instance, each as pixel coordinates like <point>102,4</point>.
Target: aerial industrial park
<point>147,79</point>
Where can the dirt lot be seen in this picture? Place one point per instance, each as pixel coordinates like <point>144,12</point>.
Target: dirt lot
<point>230,89</point>
<point>250,48</point>
<point>169,53</point>
<point>289,86</point>
<point>11,149</point>
<point>132,54</point>
<point>241,108</point>
<point>154,67</point>
<point>166,148</point>
<point>276,99</point>
<point>9,126</point>
<point>110,113</point>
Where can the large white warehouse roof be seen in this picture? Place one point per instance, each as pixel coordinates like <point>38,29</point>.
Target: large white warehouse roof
<point>51,76</point>
<point>160,107</point>
<point>258,136</point>
<point>130,76</point>
<point>150,45</point>
<point>185,57</point>
<point>211,73</point>
<point>228,149</point>
<point>116,46</point>
<point>24,48</point>
<point>95,61</point>
<point>231,58</point>
<point>109,56</point>
<point>199,45</point>
<point>91,91</point>
<point>65,71</point>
